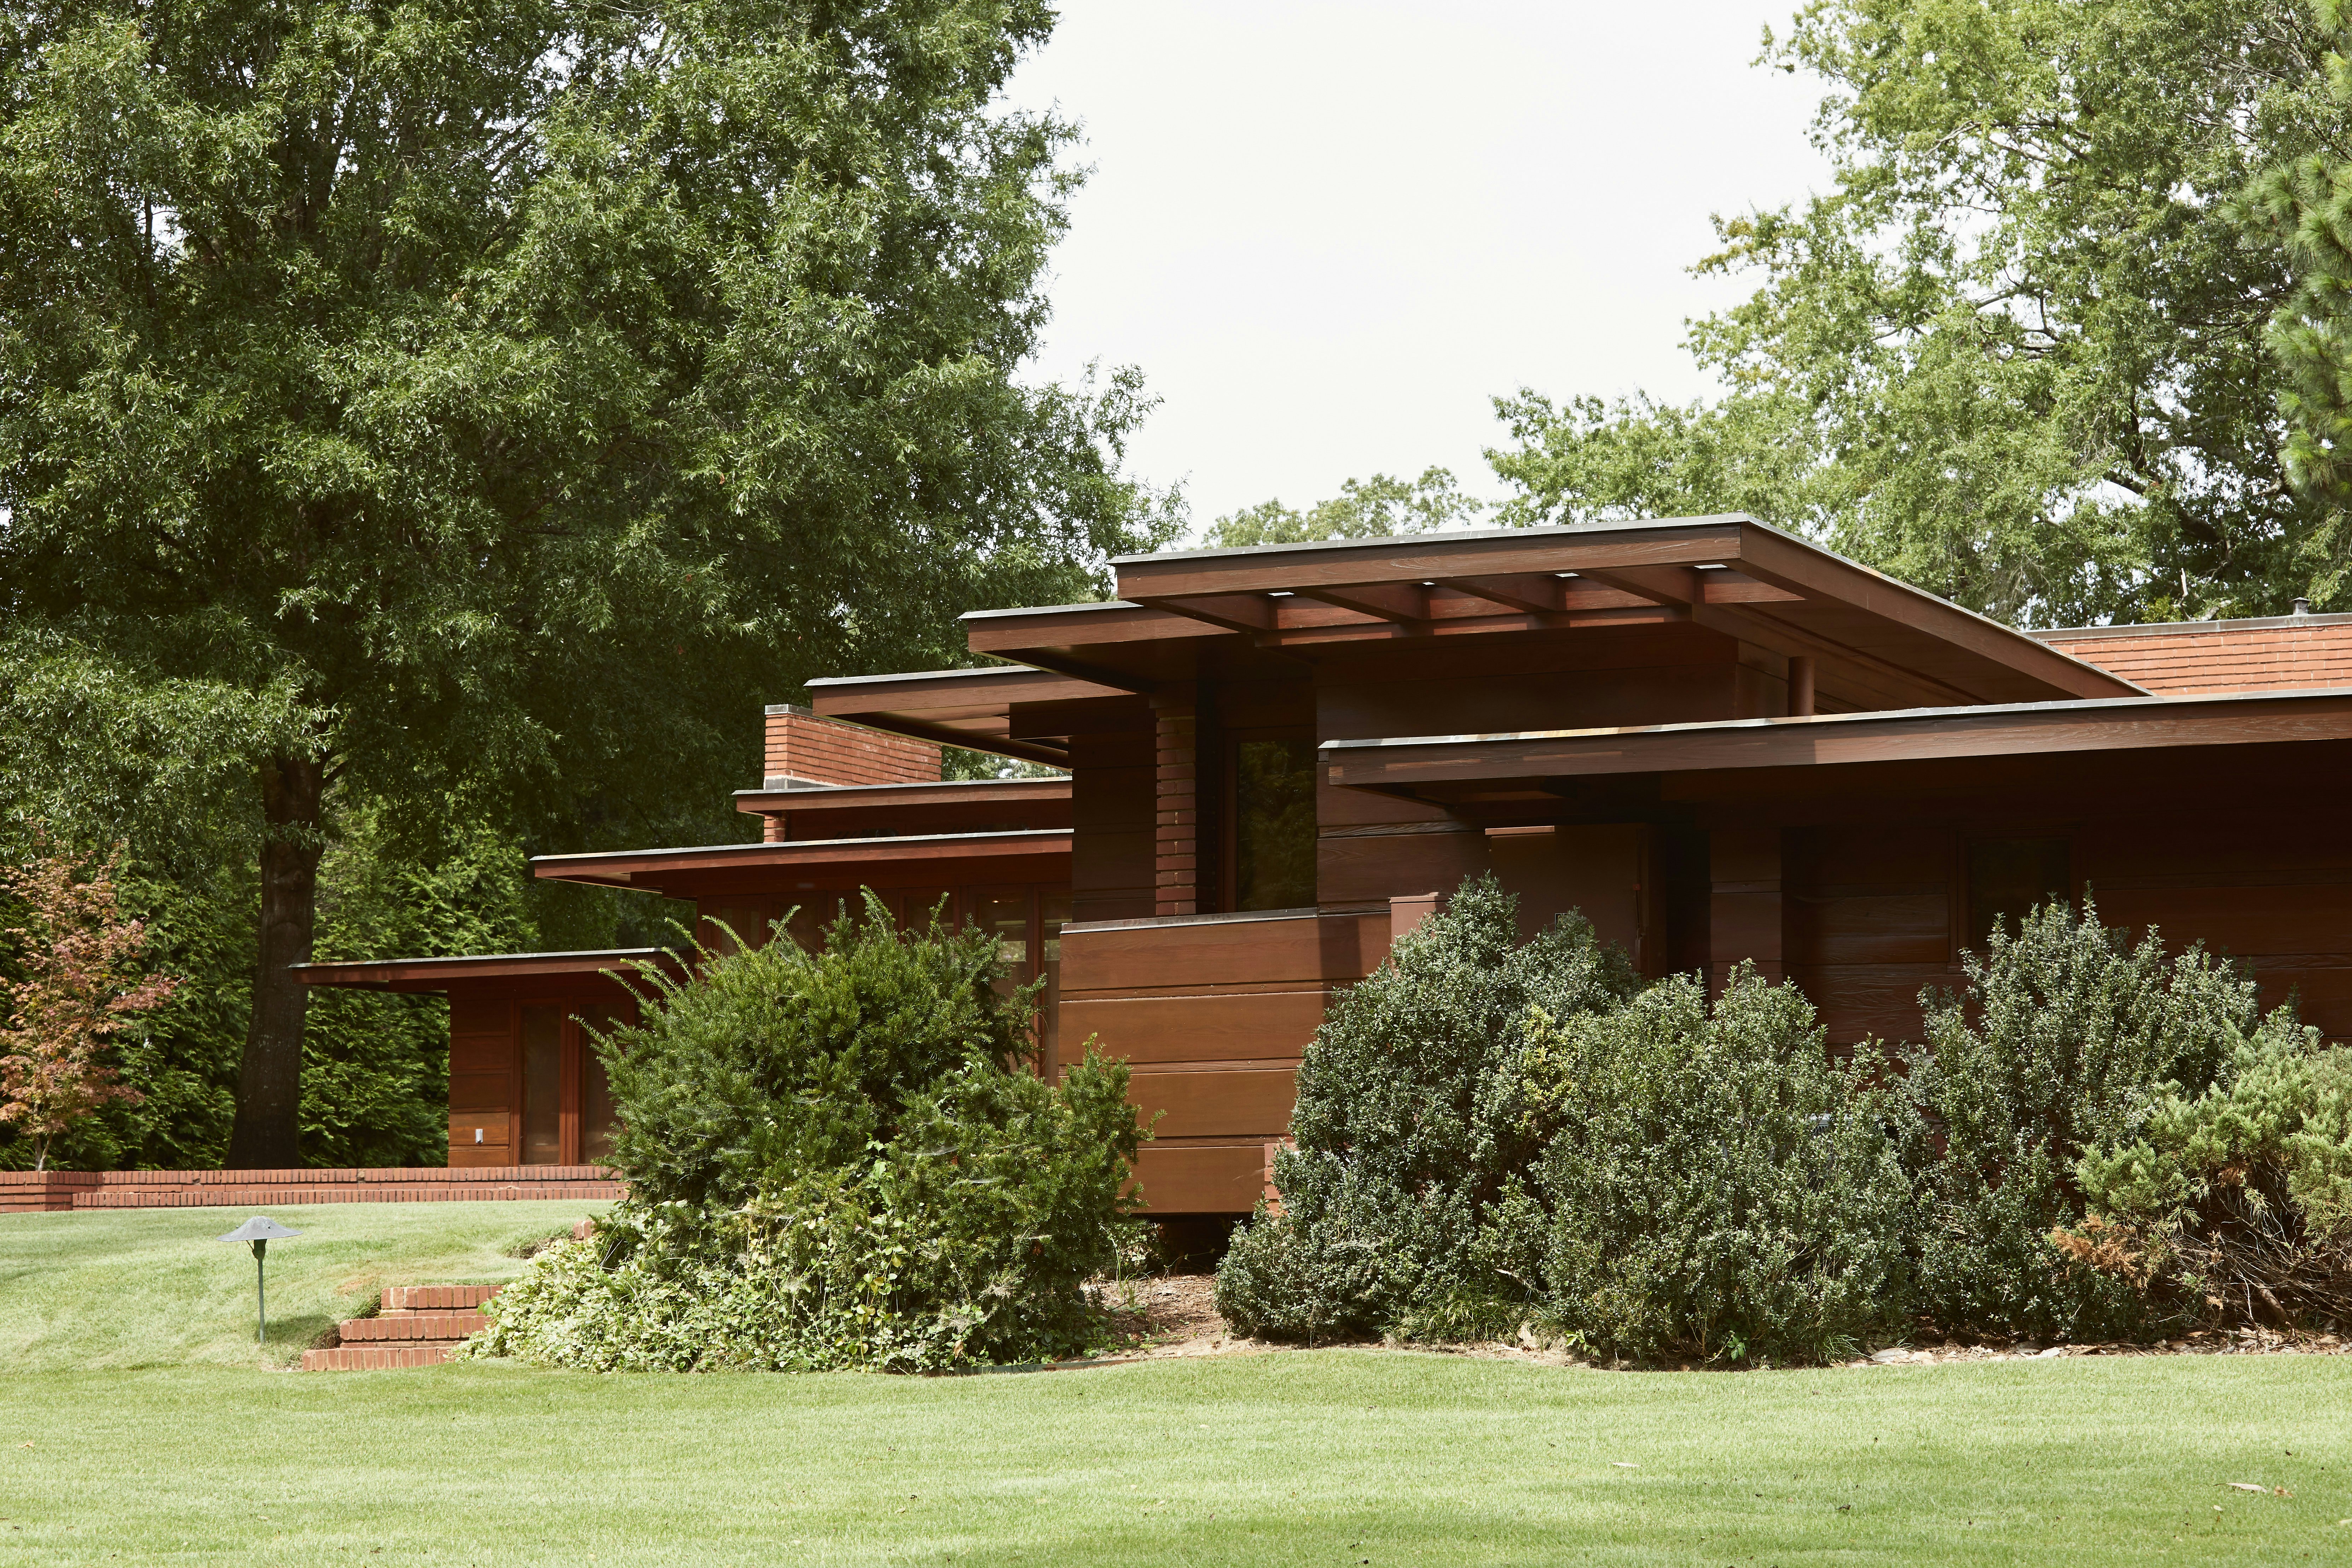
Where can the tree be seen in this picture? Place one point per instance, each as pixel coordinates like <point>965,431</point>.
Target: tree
<point>1373,509</point>
<point>2016,354</point>
<point>501,398</point>
<point>2306,205</point>
<point>83,981</point>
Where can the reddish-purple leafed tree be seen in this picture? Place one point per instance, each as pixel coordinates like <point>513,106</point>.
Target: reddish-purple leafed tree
<point>85,977</point>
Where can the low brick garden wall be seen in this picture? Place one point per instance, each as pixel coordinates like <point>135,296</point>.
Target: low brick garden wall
<point>23,1192</point>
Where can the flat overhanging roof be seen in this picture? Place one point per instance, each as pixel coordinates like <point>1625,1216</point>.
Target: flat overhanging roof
<point>955,855</point>
<point>1877,643</point>
<point>440,974</point>
<point>955,707</point>
<point>1460,766</point>
<point>873,797</point>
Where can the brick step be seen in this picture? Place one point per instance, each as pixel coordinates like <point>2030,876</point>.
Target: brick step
<point>374,1357</point>
<point>446,1327</point>
<point>436,1298</point>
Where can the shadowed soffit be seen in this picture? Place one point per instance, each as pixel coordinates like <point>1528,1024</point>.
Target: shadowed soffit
<point>1876,644</point>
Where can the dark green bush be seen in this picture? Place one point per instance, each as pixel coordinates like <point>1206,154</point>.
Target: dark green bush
<point>1712,1186</point>
<point>841,1161</point>
<point>2062,1041</point>
<point>1407,1131</point>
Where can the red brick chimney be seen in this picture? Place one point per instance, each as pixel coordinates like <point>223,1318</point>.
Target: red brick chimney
<point>805,752</point>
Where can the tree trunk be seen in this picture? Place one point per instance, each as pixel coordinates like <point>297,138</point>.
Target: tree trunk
<point>270,1082</point>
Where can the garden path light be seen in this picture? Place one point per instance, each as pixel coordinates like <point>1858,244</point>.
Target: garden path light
<point>258,1230</point>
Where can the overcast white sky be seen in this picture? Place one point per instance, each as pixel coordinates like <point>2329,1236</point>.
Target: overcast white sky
<point>1330,233</point>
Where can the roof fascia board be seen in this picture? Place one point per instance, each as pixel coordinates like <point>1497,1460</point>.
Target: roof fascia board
<point>872,797</point>
<point>1835,739</point>
<point>1784,560</point>
<point>1290,568</point>
<point>628,864</point>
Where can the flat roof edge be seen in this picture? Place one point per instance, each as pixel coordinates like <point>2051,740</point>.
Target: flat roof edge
<point>614,954</point>
<point>2145,705</point>
<point>759,846</point>
<point>1540,530</point>
<point>998,670</point>
<point>2190,628</point>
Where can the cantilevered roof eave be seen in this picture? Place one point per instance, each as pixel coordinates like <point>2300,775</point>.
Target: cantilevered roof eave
<point>619,867</point>
<point>437,974</point>
<point>1400,763</point>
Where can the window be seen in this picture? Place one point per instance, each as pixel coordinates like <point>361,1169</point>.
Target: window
<point>748,923</point>
<point>2007,877</point>
<point>543,1084</point>
<point>1273,824</point>
<point>596,1119</point>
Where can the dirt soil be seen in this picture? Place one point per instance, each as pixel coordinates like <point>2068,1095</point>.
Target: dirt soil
<point>1176,1316</point>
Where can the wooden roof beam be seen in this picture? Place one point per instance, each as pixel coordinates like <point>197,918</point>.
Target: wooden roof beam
<point>1234,611</point>
<point>1406,603</point>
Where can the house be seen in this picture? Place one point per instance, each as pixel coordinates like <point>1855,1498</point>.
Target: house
<point>1719,742</point>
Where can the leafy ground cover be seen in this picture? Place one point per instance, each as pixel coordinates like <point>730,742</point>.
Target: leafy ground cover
<point>148,1287</point>
<point>1313,1456</point>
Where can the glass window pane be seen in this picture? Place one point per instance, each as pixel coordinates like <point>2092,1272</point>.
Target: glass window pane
<point>2007,877</point>
<point>916,906</point>
<point>542,1085</point>
<point>1273,824</point>
<point>749,922</point>
<point>596,1120</point>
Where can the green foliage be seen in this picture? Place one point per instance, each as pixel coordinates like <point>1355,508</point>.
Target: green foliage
<point>1377,508</point>
<point>2061,1039</point>
<point>1407,1129</point>
<point>2015,354</point>
<point>2238,1199</point>
<point>494,401</point>
<point>2284,1106</point>
<point>1712,1183</point>
<point>841,1160</point>
<point>2305,204</point>
<point>375,1066</point>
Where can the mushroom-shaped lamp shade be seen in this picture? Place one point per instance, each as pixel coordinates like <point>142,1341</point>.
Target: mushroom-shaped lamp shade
<point>260,1230</point>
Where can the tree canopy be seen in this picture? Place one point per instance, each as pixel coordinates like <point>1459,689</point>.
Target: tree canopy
<point>1377,508</point>
<point>498,399</point>
<point>2017,353</point>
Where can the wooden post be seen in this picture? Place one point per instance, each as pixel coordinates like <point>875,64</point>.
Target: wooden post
<point>1801,687</point>
<point>1744,906</point>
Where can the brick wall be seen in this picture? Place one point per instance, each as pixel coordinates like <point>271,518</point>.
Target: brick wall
<point>805,748</point>
<point>22,1191</point>
<point>2283,653</point>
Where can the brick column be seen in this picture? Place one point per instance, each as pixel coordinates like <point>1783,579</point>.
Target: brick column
<point>1744,903</point>
<point>1184,844</point>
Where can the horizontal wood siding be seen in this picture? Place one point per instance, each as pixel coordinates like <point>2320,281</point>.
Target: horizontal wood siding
<point>481,1077</point>
<point>1213,1017</point>
<point>1215,1178</point>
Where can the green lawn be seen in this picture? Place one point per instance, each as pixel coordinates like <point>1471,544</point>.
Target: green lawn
<point>149,1287</point>
<point>1333,1457</point>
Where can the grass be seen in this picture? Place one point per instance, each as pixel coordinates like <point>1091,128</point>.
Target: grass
<point>1329,1456</point>
<point>151,1286</point>
<point>1333,1457</point>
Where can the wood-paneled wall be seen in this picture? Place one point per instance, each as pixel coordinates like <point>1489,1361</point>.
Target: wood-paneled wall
<point>483,1095</point>
<point>1212,1015</point>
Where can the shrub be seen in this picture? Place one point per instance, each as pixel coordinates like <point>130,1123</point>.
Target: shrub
<point>2061,1041</point>
<point>840,1160</point>
<point>1406,1133</point>
<point>2236,1202</point>
<point>1717,1187</point>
